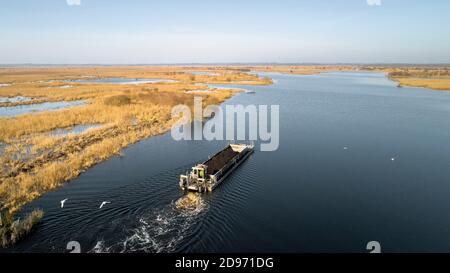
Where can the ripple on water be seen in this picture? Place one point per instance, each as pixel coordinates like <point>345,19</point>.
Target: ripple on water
<point>228,206</point>
<point>159,231</point>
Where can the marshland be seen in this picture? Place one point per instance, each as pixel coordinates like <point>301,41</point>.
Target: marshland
<point>102,110</point>
<point>35,159</point>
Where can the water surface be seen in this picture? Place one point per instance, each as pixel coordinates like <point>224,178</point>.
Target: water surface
<point>14,99</point>
<point>11,111</point>
<point>77,129</point>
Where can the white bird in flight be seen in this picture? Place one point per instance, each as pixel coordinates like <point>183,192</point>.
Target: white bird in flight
<point>63,201</point>
<point>104,203</point>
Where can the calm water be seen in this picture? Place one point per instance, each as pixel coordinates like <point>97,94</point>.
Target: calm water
<point>11,111</point>
<point>77,129</point>
<point>204,73</point>
<point>359,160</point>
<point>121,81</point>
<point>14,99</point>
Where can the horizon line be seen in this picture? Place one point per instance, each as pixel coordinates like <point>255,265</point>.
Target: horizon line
<point>230,64</point>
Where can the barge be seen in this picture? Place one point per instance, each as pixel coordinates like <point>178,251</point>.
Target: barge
<point>205,177</point>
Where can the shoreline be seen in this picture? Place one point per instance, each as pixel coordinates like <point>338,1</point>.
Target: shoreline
<point>35,163</point>
<point>128,113</point>
<point>133,113</point>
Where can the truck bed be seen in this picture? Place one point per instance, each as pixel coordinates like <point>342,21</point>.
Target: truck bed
<point>219,160</point>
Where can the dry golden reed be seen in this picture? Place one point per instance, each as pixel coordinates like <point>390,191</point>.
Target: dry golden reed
<point>35,162</point>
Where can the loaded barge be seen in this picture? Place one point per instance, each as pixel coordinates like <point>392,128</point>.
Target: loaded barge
<point>205,177</point>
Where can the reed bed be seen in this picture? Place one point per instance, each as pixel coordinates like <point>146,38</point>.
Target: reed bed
<point>35,162</point>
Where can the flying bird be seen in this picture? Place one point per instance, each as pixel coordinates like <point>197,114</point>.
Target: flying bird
<point>104,203</point>
<point>63,201</point>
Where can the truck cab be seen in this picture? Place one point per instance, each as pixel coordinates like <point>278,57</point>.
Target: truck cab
<point>196,180</point>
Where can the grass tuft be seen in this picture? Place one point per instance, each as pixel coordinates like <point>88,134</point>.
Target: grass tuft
<point>11,231</point>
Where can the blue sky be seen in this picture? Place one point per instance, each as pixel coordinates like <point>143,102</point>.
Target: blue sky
<point>208,31</point>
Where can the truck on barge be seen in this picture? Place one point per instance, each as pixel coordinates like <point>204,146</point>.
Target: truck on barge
<point>205,177</point>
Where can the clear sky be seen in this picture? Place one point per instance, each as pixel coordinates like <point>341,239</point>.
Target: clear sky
<point>211,31</point>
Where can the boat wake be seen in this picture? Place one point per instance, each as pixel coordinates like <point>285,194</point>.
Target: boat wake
<point>161,231</point>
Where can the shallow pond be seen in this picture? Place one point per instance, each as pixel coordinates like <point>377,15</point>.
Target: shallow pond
<point>12,111</point>
<point>332,185</point>
<point>14,99</point>
<point>77,129</point>
<point>121,81</point>
<point>204,73</point>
